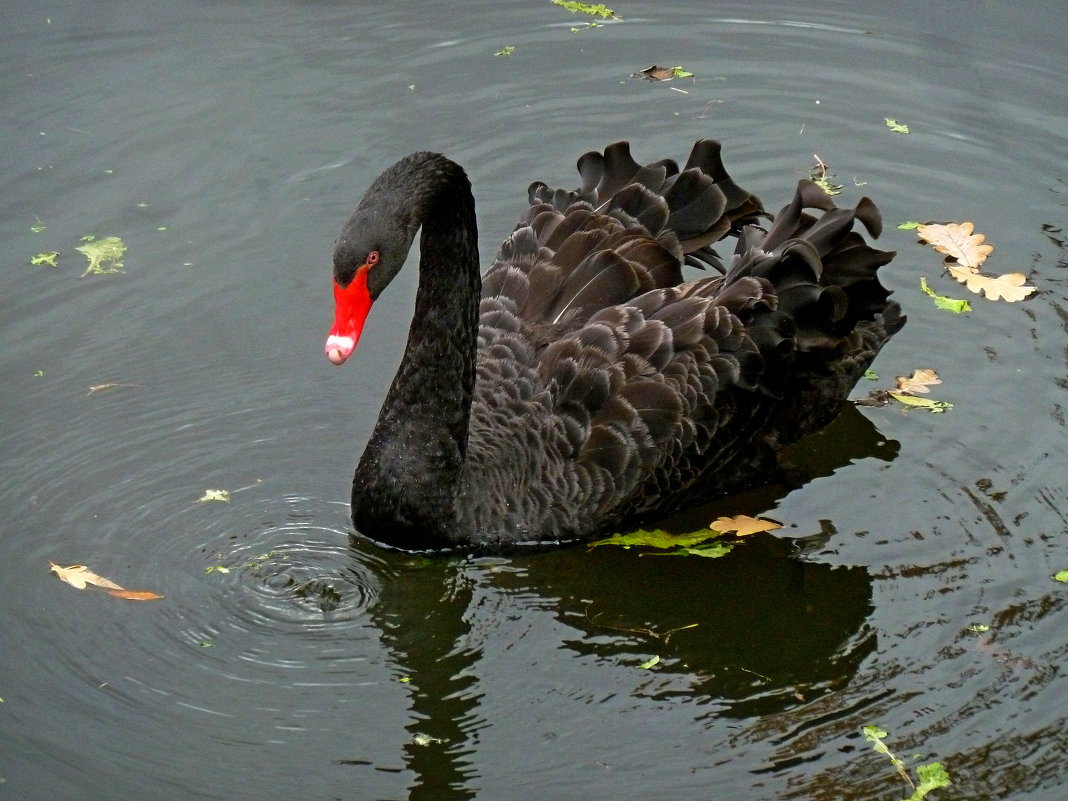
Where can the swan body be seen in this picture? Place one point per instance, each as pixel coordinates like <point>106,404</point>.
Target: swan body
<point>582,383</point>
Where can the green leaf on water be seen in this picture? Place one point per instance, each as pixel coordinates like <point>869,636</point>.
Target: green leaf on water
<point>214,495</point>
<point>932,776</point>
<point>703,542</point>
<point>895,126</point>
<point>871,375</point>
<point>1061,575</point>
<point>507,50</point>
<point>927,404</point>
<point>104,254</point>
<point>599,10</point>
<point>45,258</point>
<point>979,628</point>
<point>216,569</point>
<point>954,305</point>
<point>910,225</point>
<point>657,538</point>
<point>649,663</point>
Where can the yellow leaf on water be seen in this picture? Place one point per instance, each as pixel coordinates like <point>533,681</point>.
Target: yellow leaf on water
<point>919,381</point>
<point>1011,287</point>
<point>743,525</point>
<point>957,242</point>
<point>214,495</point>
<point>79,576</point>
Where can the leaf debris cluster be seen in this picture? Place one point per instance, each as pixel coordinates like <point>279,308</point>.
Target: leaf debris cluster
<point>964,252</point>
<point>709,543</point>
<point>907,391</point>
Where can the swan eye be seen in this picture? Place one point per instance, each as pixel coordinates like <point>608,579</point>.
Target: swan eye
<point>372,258</point>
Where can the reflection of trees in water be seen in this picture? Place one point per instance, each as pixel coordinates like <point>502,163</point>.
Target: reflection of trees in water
<point>757,633</point>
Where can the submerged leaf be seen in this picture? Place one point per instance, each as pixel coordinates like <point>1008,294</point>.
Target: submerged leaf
<point>135,595</point>
<point>949,304</point>
<point>103,254</point>
<point>657,538</point>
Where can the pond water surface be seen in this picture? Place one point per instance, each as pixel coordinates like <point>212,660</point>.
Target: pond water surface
<point>226,143</point>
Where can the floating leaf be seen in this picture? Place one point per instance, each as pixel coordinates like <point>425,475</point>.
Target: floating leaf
<point>45,258</point>
<point>931,776</point>
<point>1011,286</point>
<point>957,242</point>
<point>80,576</point>
<point>216,569</point>
<point>103,254</point>
<point>949,304</point>
<point>214,495</point>
<point>507,50</point>
<point>928,404</point>
<point>871,375</point>
<point>965,251</point>
<point>598,10</point>
<point>910,225</point>
<point>918,382</point>
<point>655,73</point>
<point>979,628</point>
<point>743,525</point>
<point>895,126</point>
<point>649,663</point>
<point>1061,575</point>
<point>820,176</point>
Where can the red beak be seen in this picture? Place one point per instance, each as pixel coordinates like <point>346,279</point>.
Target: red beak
<point>351,305</point>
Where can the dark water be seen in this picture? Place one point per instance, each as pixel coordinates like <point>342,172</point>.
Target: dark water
<point>225,144</point>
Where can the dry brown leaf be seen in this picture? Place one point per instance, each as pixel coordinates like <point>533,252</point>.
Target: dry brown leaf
<point>919,381</point>
<point>743,525</point>
<point>79,576</point>
<point>135,595</point>
<point>1011,286</point>
<point>957,242</point>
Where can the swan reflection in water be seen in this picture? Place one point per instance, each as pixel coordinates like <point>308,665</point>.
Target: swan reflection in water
<point>759,633</point>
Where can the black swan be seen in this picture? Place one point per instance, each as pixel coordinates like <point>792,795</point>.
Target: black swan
<point>582,384</point>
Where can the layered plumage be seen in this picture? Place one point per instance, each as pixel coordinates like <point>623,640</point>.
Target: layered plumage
<point>583,384</point>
